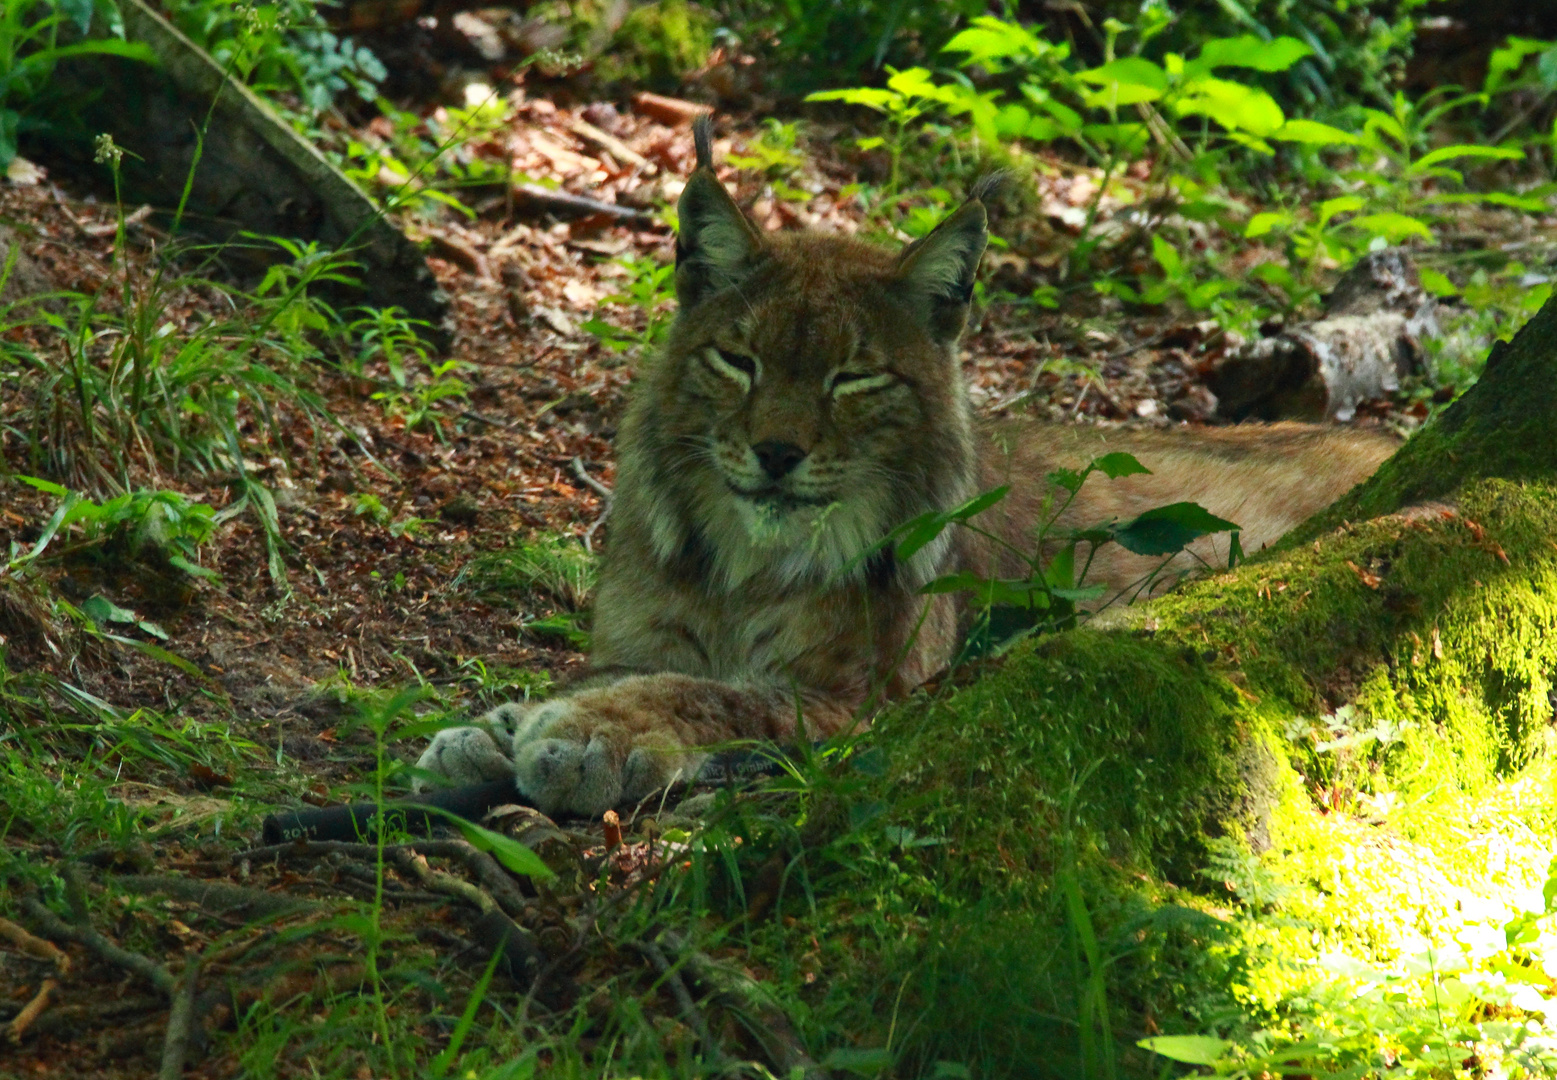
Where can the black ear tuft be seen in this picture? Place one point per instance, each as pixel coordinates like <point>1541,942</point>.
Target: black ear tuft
<point>716,245</point>
<point>702,140</point>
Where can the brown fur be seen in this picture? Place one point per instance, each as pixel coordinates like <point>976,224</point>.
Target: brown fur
<point>731,603</point>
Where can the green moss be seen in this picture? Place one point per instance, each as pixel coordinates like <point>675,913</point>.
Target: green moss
<point>1403,663</point>
<point>658,44</point>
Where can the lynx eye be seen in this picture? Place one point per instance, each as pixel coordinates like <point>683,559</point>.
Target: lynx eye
<point>859,382</point>
<point>734,366</point>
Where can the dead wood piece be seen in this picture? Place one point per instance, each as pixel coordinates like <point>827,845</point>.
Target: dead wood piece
<point>459,253</point>
<point>57,929</point>
<point>534,199</point>
<point>607,142</point>
<point>676,112</point>
<point>1368,340</point>
<point>31,1011</point>
<point>182,1021</point>
<point>217,896</point>
<point>36,947</point>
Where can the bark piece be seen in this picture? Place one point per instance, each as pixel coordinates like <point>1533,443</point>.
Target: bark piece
<point>676,112</point>
<point>1369,338</point>
<point>249,171</point>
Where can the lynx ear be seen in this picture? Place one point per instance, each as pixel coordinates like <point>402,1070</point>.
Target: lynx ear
<point>717,245</point>
<point>938,269</point>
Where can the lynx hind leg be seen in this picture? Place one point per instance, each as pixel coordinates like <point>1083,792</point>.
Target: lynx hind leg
<point>569,758</point>
<point>475,754</point>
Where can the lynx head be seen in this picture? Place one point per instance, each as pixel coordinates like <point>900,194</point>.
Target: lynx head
<point>809,398</point>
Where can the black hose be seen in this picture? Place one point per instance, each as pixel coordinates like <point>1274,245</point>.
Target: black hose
<point>359,821</point>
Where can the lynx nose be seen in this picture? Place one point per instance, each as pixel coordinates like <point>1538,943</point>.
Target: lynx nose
<point>777,458</point>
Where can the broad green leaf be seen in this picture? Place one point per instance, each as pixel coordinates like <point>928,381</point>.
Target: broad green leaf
<point>1465,150</point>
<point>868,96</point>
<point>1314,133</point>
<point>1169,529</point>
<point>1264,222</point>
<point>1190,1049</point>
<point>1119,464</point>
<point>1436,282</point>
<point>1393,227</point>
<point>1508,60</point>
<point>979,503</point>
<point>1345,204</point>
<point>48,487</point>
<point>1233,105</point>
<point>990,39</point>
<point>505,849</point>
<point>157,652</point>
<point>1127,81</point>
<point>1167,255</point>
<point>1248,51</point>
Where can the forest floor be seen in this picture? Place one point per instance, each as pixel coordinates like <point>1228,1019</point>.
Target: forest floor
<point>379,518</point>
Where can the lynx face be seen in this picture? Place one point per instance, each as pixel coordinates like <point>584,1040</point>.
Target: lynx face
<point>809,399</point>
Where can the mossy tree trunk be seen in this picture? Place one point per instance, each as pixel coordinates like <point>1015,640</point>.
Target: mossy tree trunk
<point>1403,641</point>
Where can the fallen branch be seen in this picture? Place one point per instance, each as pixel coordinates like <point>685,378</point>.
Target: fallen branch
<point>217,896</point>
<point>415,865</point>
<point>35,947</point>
<point>54,927</point>
<point>482,866</point>
<point>31,1011</point>
<point>539,200</point>
<point>181,1023</point>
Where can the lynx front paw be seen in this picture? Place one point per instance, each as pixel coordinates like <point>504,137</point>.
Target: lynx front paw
<point>472,755</point>
<point>571,756</point>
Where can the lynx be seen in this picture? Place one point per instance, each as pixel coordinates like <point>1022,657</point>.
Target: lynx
<point>810,399</point>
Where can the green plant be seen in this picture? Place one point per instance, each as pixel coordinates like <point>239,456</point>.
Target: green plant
<point>417,382</point>
<point>649,295</point>
<point>138,521</point>
<point>1047,598</point>
<point>30,47</point>
<point>280,47</point>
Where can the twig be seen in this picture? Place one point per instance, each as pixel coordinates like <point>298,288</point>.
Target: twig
<point>181,1022</point>
<point>577,465</point>
<point>58,930</point>
<point>566,204</point>
<point>214,895</point>
<point>484,868</point>
<point>589,533</point>
<point>31,1011</point>
<point>415,865</point>
<point>36,947</point>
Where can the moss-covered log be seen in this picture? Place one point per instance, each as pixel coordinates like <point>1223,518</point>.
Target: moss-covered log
<point>1404,642</point>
